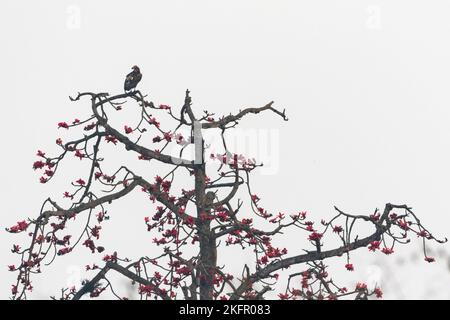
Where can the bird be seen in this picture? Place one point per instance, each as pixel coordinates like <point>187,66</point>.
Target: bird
<point>132,79</point>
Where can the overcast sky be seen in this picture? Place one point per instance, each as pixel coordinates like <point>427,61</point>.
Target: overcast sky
<point>364,83</point>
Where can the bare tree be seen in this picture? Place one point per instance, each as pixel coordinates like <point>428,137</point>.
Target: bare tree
<point>191,226</point>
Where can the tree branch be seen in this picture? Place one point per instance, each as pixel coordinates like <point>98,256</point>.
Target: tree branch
<point>234,118</point>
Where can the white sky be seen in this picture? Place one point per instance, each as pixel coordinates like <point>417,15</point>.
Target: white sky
<point>365,85</point>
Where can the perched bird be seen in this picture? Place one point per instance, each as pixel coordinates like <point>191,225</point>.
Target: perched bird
<point>132,79</point>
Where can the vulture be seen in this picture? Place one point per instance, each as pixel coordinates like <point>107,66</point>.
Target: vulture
<point>132,79</point>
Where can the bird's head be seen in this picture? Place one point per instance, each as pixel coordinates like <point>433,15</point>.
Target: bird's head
<point>135,68</point>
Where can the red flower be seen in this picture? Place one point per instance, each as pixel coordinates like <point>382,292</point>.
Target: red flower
<point>180,139</point>
<point>337,229</point>
<point>145,289</point>
<point>183,271</point>
<point>112,258</point>
<point>127,129</point>
<point>40,154</point>
<point>223,216</point>
<point>49,173</point>
<point>79,154</point>
<point>159,241</point>
<point>168,136</point>
<point>360,286</point>
<point>100,216</point>
<point>166,185</point>
<point>283,296</point>
<point>403,224</point>
<point>349,267</point>
<point>59,141</point>
<point>108,179</point>
<point>154,122</point>
<point>387,251</point>
<point>90,126</point>
<point>164,107</point>
<point>378,293</point>
<point>19,227</point>
<point>63,125</point>
<point>64,251</point>
<point>67,195</point>
<point>429,259</point>
<point>95,231</point>
<point>374,245</point>
<point>275,252</point>
<point>81,182</point>
<point>315,236</point>
<point>76,121</point>
<point>247,221</point>
<point>111,139</point>
<point>38,165</point>
<point>189,221</point>
<point>423,233</point>
<point>157,275</point>
<point>90,244</point>
<point>11,268</point>
<point>14,289</point>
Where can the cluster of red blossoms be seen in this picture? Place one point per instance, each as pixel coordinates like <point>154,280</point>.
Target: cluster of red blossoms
<point>45,163</point>
<point>19,227</point>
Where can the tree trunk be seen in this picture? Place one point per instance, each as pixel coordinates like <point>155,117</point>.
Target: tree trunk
<point>208,250</point>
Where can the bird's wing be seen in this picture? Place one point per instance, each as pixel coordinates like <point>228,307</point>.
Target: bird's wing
<point>132,80</point>
<point>138,77</point>
<point>130,76</point>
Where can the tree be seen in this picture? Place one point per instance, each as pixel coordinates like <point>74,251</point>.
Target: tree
<point>191,226</point>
